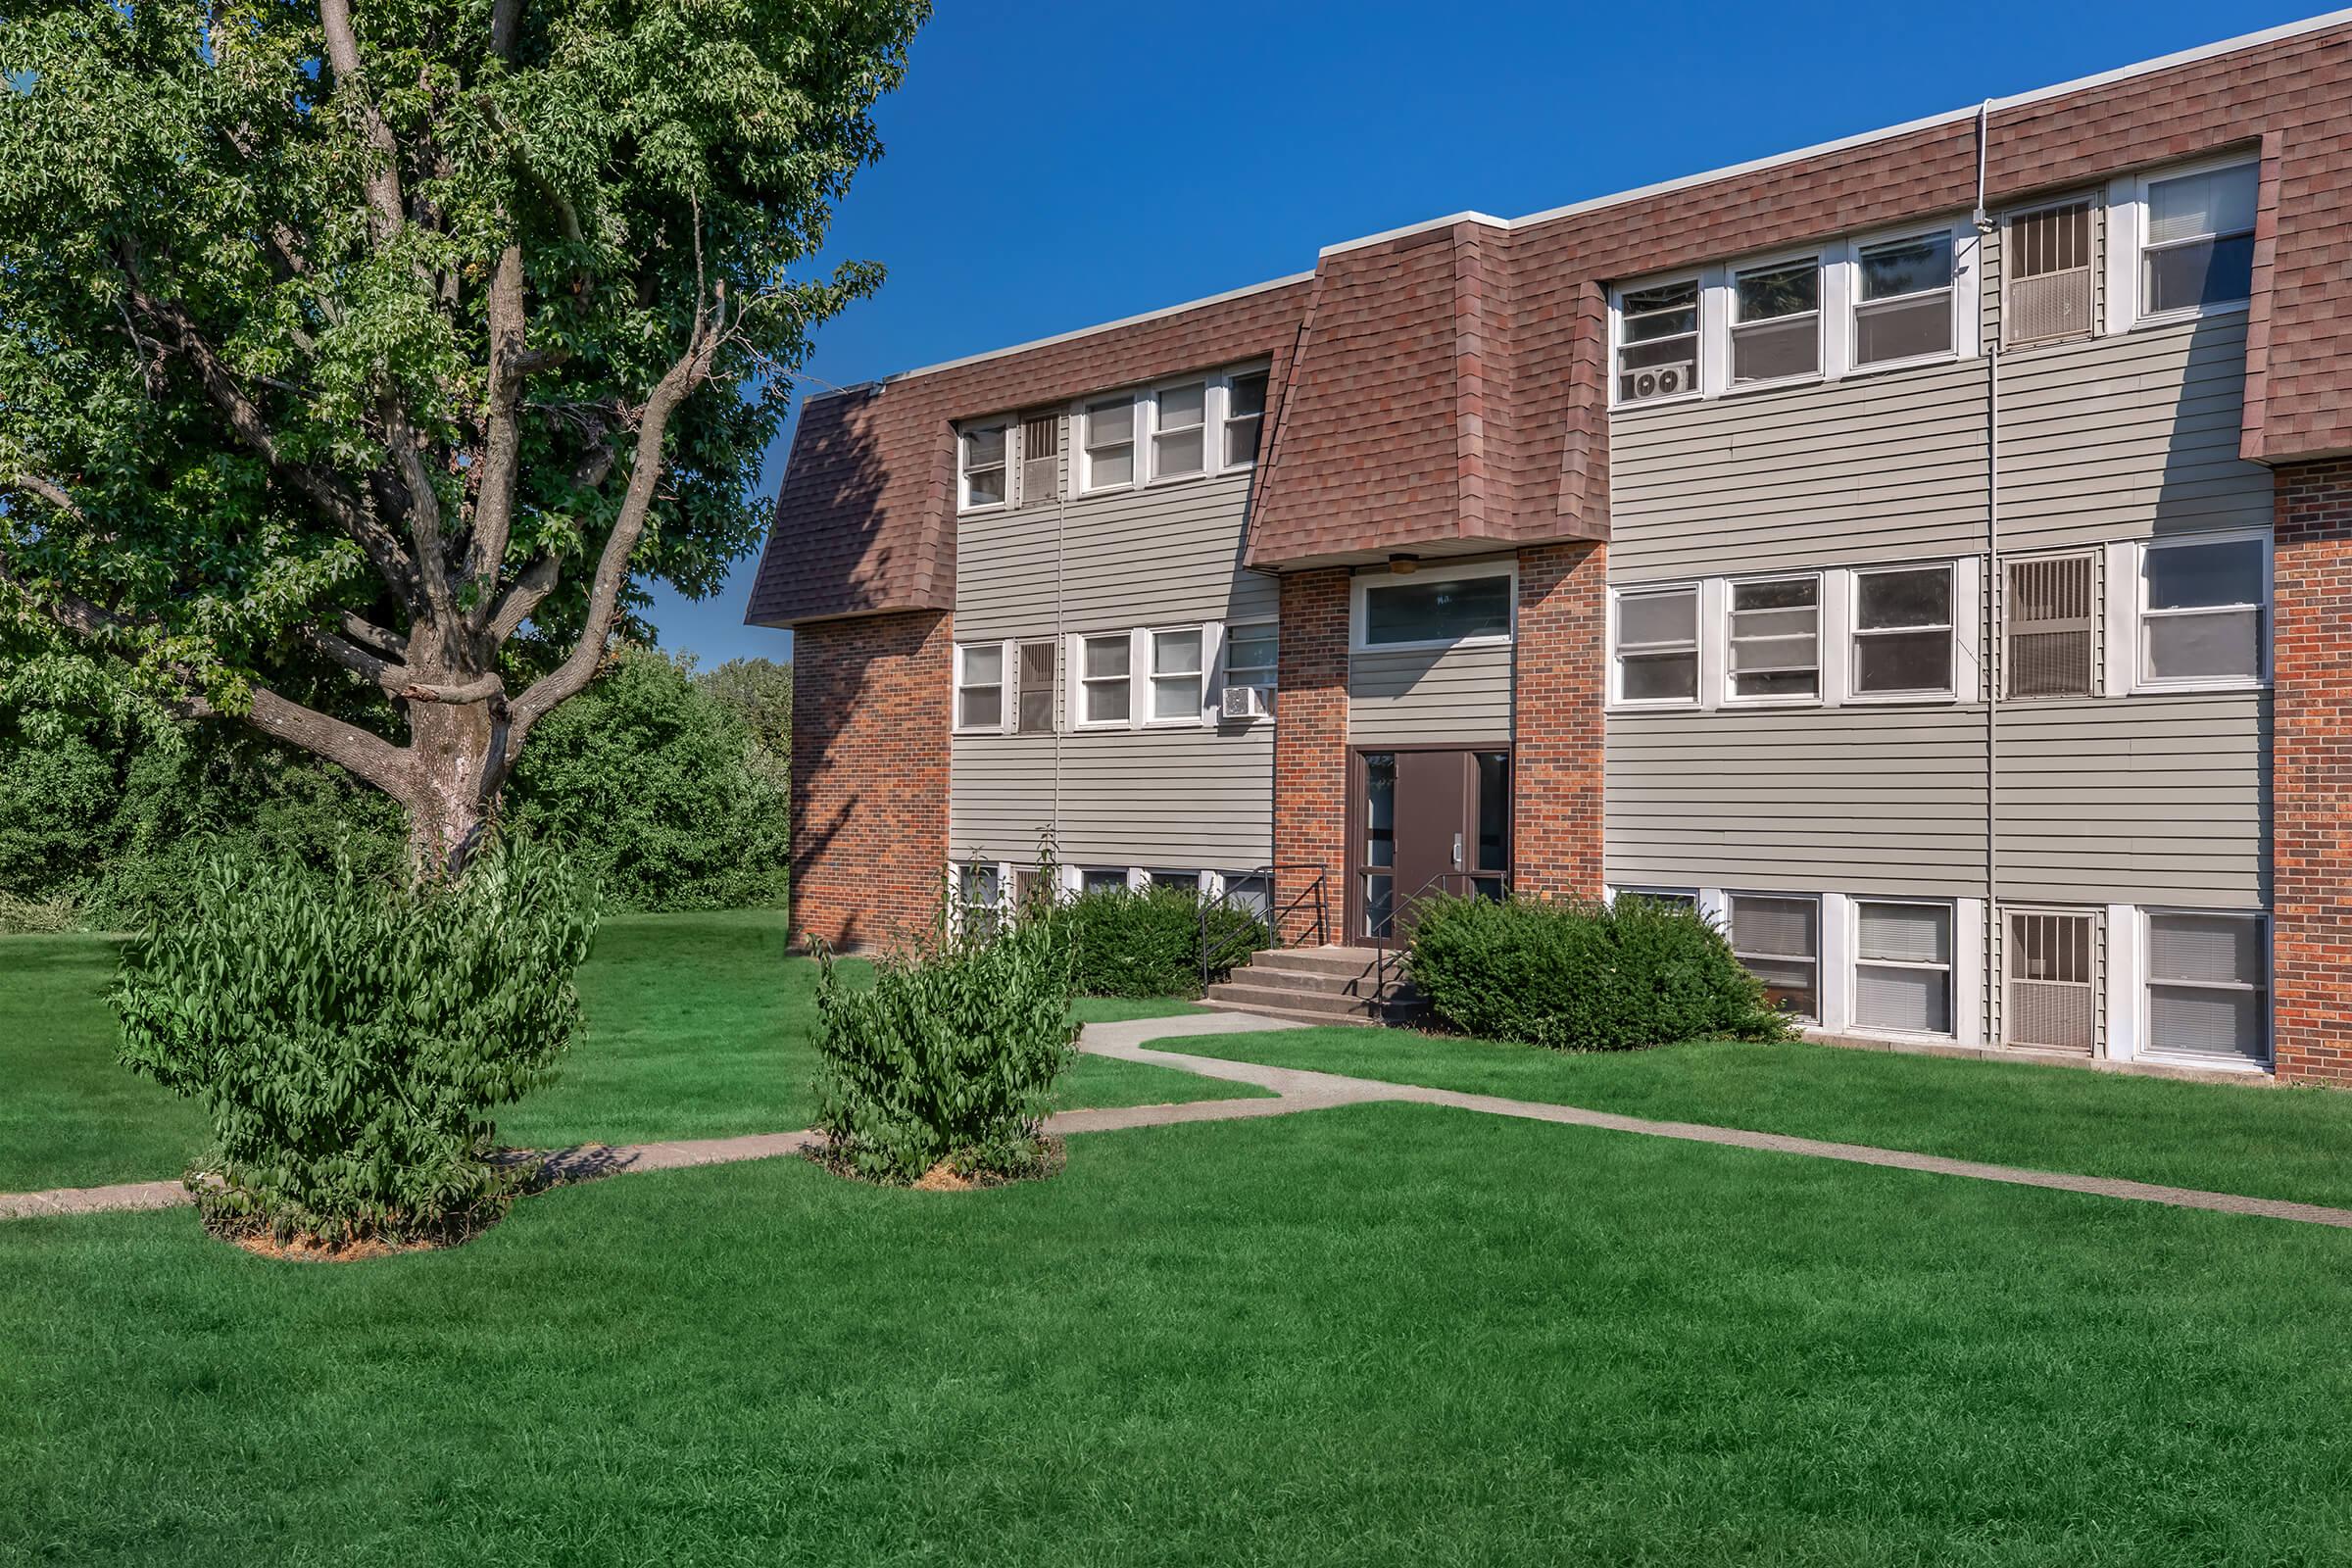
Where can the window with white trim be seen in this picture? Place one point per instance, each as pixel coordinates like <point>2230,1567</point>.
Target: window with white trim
<point>2196,240</point>
<point>1778,939</point>
<point>1774,639</point>
<point>1776,322</point>
<point>2203,609</point>
<point>980,890</point>
<point>1034,686</point>
<point>1657,645</point>
<point>1903,632</point>
<point>980,686</point>
<point>1178,676</point>
<point>1180,431</point>
<point>1105,680</point>
<point>1252,656</point>
<point>1244,418</point>
<point>1108,452</point>
<point>1903,299</point>
<point>981,466</point>
<point>2208,987</point>
<point>1681,903</point>
<point>1903,966</point>
<point>1657,341</point>
<point>1102,879</point>
<point>1416,611</point>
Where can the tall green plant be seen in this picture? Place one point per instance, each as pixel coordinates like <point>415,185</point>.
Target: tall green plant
<point>350,1037</point>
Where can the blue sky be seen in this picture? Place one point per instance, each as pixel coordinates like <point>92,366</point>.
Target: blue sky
<point>1050,165</point>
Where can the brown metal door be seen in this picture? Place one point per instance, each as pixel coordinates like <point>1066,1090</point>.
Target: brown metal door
<point>1413,831</point>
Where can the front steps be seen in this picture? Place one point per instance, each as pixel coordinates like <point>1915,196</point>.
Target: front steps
<point>1317,986</point>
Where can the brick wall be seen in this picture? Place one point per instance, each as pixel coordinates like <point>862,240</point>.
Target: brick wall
<point>2311,775</point>
<point>1310,747</point>
<point>1556,715</point>
<point>869,775</point>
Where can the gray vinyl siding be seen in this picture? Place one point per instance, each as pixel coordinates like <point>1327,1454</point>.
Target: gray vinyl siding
<point>2126,437</point>
<point>1851,800</point>
<point>1874,468</point>
<point>2147,800</point>
<point>1430,695</point>
<point>1179,798</point>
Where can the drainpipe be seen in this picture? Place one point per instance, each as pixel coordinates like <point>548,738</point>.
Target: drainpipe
<point>1991,665</point>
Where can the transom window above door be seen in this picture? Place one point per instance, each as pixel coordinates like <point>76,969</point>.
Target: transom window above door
<point>1435,606</point>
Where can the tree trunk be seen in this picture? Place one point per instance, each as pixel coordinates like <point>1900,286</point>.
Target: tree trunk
<point>454,779</point>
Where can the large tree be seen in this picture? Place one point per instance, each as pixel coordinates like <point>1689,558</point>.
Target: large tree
<point>358,364</point>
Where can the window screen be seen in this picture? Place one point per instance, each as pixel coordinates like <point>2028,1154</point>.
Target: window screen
<point>980,686</point>
<point>1110,443</point>
<point>1903,631</point>
<point>1903,308</point>
<point>1176,674</point>
<point>1041,460</point>
<point>984,466</point>
<point>2052,998</point>
<point>2201,610</point>
<point>1658,646</point>
<point>2199,246</point>
<point>1657,349</point>
<point>1903,966</point>
<point>1244,418</point>
<point>1779,940</point>
<point>2048,607</point>
<point>1178,439</point>
<point>1104,681</point>
<point>2048,269</point>
<point>1776,638</point>
<point>1036,686</point>
<point>1776,322</point>
<point>2209,987</point>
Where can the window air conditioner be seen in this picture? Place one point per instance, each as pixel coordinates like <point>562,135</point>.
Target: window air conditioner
<point>1244,702</point>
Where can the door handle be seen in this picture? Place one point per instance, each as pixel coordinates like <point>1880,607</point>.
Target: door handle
<point>1457,852</point>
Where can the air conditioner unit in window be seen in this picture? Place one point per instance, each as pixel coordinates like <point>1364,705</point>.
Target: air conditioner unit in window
<point>1665,381</point>
<point>1244,702</point>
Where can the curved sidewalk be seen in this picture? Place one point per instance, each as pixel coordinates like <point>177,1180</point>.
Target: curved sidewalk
<point>1295,1090</point>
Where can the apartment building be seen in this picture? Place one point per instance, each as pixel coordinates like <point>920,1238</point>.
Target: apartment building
<point>1929,553</point>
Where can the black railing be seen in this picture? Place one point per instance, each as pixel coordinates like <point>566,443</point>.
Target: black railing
<point>1393,952</point>
<point>1220,954</point>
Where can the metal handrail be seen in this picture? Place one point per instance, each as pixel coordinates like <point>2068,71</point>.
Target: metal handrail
<point>1390,955</point>
<point>1211,960</point>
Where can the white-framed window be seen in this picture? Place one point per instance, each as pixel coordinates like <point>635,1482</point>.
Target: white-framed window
<point>2204,612</point>
<point>2197,239</point>
<point>1773,639</point>
<point>1437,607</point>
<point>1179,674</point>
<point>1682,899</point>
<point>1903,966</point>
<point>1107,454</point>
<point>1180,430</point>
<point>1904,293</point>
<point>1655,646</point>
<point>979,895</point>
<point>1105,681</point>
<point>2207,993</point>
<point>981,466</point>
<point>1656,327</point>
<point>1102,879</point>
<point>1034,686</point>
<point>1902,632</point>
<point>1775,321</point>
<point>1777,937</point>
<point>980,687</point>
<point>1252,656</point>
<point>2050,609</point>
<point>1244,416</point>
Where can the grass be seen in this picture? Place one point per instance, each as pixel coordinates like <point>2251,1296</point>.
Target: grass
<point>698,1027</point>
<point>1377,1335</point>
<point>2269,1142</point>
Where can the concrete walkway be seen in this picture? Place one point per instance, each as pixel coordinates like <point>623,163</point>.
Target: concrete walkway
<point>1297,1089</point>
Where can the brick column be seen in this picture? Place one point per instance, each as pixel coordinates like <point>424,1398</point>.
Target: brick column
<point>2311,775</point>
<point>869,775</point>
<point>1310,748</point>
<point>1556,719</point>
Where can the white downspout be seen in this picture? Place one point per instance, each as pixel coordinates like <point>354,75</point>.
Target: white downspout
<point>1990,661</point>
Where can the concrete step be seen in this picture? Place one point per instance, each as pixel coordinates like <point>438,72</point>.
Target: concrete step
<point>1323,982</point>
<point>1305,1021</point>
<point>1242,992</point>
<point>1351,961</point>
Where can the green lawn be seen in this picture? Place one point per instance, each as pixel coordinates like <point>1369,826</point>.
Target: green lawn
<point>1377,1335</point>
<point>698,1027</point>
<point>2269,1142</point>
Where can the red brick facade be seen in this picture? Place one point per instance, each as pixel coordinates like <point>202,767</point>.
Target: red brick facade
<point>1556,718</point>
<point>869,777</point>
<point>1310,749</point>
<point>2311,776</point>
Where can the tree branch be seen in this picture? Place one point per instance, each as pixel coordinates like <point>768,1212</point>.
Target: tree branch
<point>518,604</point>
<point>370,756</point>
<point>383,180</point>
<point>367,634</point>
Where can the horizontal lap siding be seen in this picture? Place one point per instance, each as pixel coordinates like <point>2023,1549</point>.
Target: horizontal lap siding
<point>1873,468</point>
<point>1177,799</point>
<point>1428,696</point>
<point>2141,800</point>
<point>1172,798</point>
<point>2126,437</point>
<point>1841,800</point>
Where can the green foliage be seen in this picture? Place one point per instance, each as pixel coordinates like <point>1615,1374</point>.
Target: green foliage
<point>349,1037</point>
<point>664,792</point>
<point>951,1056</point>
<point>1577,976</point>
<point>1146,943</point>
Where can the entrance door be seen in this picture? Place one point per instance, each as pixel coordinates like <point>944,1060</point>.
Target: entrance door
<point>1427,820</point>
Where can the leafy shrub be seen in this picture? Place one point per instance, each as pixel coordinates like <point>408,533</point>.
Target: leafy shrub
<point>349,1037</point>
<point>1584,976</point>
<point>949,1055</point>
<point>60,911</point>
<point>1147,942</point>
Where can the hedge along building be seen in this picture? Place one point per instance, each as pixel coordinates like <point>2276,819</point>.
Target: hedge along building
<point>1928,552</point>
